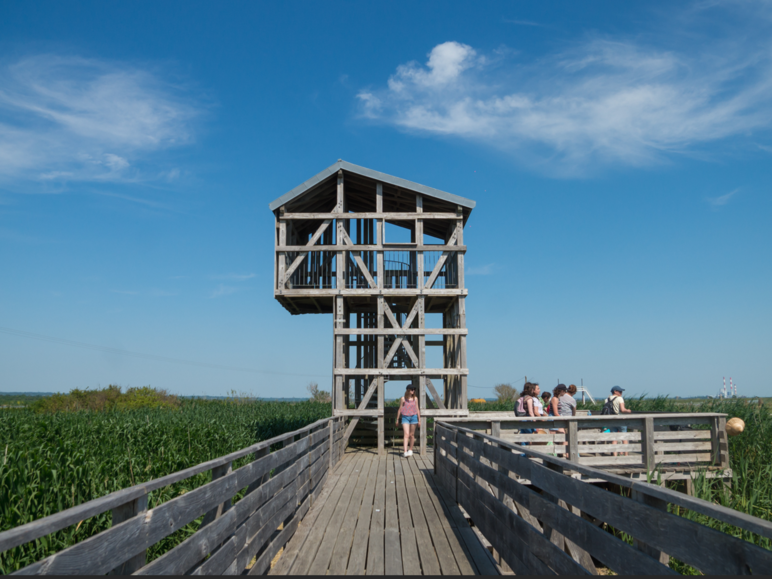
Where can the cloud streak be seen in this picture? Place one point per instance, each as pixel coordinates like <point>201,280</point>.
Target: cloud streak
<point>66,119</point>
<point>603,102</point>
<point>717,202</point>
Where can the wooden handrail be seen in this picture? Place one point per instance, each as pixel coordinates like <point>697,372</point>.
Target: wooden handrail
<point>135,528</point>
<point>718,512</point>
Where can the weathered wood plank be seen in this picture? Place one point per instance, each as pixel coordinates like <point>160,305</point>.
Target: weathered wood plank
<point>411,564</point>
<point>724,514</point>
<point>441,545</point>
<point>264,561</point>
<point>392,549</point>
<point>532,542</point>
<point>307,554</point>
<point>704,548</point>
<point>616,554</point>
<point>180,559</point>
<point>342,549</point>
<point>289,555</point>
<point>358,558</point>
<point>321,561</point>
<point>375,551</point>
<point>429,562</point>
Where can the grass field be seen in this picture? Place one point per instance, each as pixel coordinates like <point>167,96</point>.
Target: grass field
<point>55,460</point>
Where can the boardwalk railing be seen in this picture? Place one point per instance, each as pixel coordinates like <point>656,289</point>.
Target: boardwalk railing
<point>552,524</point>
<point>287,473</point>
<point>652,442</point>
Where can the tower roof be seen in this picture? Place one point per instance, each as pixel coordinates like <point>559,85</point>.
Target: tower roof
<point>365,176</point>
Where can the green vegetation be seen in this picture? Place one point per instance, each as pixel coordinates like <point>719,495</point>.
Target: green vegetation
<point>55,460</point>
<point>110,398</point>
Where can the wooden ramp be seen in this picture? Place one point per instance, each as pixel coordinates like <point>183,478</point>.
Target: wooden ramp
<point>384,515</point>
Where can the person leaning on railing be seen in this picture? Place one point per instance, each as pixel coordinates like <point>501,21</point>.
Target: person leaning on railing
<point>525,405</point>
<point>615,404</point>
<point>562,404</point>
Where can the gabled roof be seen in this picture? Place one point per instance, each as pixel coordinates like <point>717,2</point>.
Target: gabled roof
<point>370,174</point>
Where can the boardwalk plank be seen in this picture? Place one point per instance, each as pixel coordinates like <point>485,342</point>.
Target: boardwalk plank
<point>429,563</point>
<point>375,563</point>
<point>481,557</point>
<point>306,555</point>
<point>445,554</point>
<point>342,550</point>
<point>358,557</point>
<point>393,553</point>
<point>323,556</point>
<point>411,564</point>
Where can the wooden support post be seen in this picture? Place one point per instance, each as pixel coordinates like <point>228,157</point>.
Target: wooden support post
<point>572,436</point>
<point>719,444</point>
<point>421,319</point>
<point>282,256</point>
<point>133,508</point>
<point>660,505</point>
<point>647,445</point>
<point>381,382</point>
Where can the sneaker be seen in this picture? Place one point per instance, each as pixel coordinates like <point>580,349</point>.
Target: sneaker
<point>409,453</point>
<point>405,455</point>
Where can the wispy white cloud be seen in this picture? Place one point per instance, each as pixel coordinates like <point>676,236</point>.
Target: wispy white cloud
<point>487,269</point>
<point>86,119</point>
<point>717,202</point>
<point>234,276</point>
<point>605,101</point>
<point>224,290</point>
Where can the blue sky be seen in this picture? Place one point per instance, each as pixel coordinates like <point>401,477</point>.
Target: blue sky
<point>619,155</point>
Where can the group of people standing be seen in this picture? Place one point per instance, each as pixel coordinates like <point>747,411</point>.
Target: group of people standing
<point>533,402</point>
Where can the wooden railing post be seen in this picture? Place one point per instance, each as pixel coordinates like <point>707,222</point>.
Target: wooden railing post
<point>434,445</point>
<point>660,505</point>
<point>647,444</point>
<point>331,427</point>
<point>719,445</point>
<point>572,437</point>
<point>218,472</point>
<point>120,514</point>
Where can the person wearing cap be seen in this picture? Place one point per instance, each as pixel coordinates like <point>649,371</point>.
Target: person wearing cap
<point>618,407</point>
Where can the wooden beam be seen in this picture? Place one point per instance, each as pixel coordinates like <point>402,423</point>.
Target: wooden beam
<point>370,215</point>
<point>371,247</point>
<point>402,331</point>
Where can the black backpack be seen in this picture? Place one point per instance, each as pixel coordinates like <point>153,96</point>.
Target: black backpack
<point>608,407</point>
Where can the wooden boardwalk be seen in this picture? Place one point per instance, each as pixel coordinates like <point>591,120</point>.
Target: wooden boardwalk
<point>384,515</point>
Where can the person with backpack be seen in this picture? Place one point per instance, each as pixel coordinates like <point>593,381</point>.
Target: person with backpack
<point>525,406</point>
<point>615,405</point>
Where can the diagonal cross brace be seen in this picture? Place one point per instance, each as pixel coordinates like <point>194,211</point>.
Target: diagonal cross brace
<point>362,405</point>
<point>303,254</point>
<point>441,262</point>
<point>357,255</point>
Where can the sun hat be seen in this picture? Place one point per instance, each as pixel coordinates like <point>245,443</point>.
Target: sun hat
<point>617,389</point>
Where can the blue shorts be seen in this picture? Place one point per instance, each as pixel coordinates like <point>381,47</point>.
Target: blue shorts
<point>410,419</point>
<point>618,429</point>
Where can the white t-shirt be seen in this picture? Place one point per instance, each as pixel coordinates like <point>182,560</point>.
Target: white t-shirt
<point>538,406</point>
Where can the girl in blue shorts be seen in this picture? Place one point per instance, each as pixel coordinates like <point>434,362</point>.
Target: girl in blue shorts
<point>411,417</point>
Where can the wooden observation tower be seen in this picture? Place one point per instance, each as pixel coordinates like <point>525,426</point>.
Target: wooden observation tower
<point>391,299</point>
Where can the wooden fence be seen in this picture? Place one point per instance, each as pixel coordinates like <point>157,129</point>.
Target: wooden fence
<point>552,525</point>
<point>652,442</point>
<point>287,473</point>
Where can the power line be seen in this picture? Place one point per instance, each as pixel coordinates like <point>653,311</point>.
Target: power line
<point>153,357</point>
